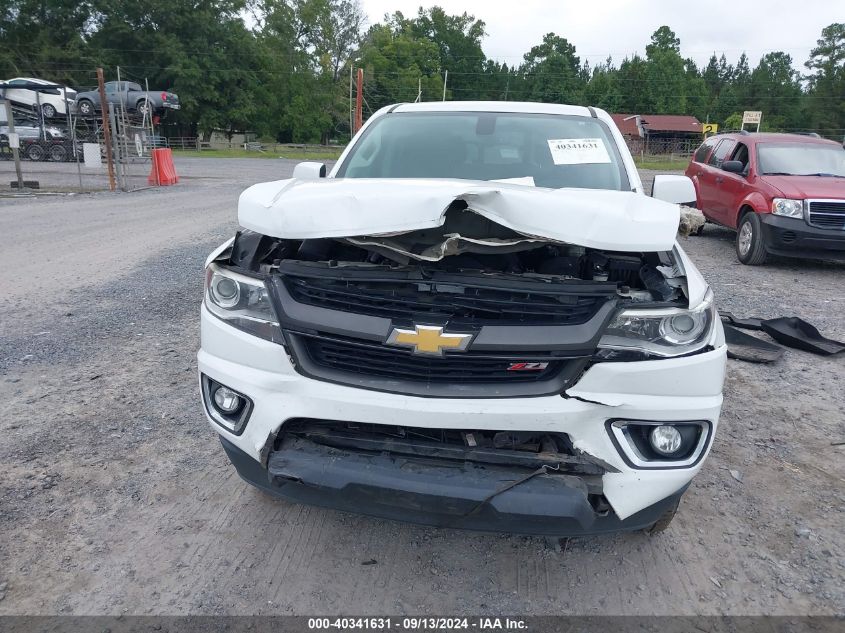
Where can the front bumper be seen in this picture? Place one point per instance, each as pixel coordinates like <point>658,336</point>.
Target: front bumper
<point>437,495</point>
<point>793,237</point>
<point>687,388</point>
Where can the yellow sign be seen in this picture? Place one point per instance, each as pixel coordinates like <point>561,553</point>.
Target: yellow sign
<point>428,339</point>
<point>709,128</point>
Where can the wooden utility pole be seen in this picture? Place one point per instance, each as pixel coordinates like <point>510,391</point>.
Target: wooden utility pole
<point>106,132</point>
<point>359,97</point>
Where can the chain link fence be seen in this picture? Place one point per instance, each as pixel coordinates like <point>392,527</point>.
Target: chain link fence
<point>68,152</point>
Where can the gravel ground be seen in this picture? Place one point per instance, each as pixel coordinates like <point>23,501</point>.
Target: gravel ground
<point>115,496</point>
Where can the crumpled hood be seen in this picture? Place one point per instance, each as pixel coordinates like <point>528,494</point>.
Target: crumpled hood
<point>334,208</point>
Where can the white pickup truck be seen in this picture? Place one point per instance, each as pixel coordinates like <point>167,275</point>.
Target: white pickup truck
<point>478,319</point>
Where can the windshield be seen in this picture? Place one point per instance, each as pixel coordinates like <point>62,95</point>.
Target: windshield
<point>796,159</point>
<point>540,149</point>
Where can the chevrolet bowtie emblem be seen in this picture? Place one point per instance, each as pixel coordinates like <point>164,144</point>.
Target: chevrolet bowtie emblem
<point>428,339</point>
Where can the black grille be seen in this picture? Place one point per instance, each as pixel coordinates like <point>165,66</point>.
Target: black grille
<point>455,304</point>
<point>828,214</point>
<point>385,362</point>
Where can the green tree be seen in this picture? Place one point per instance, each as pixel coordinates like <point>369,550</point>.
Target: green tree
<point>666,80</point>
<point>551,72</point>
<point>202,51</point>
<point>775,90</point>
<point>458,41</point>
<point>632,81</point>
<point>398,64</point>
<point>720,96</point>
<point>826,98</point>
<point>603,88</point>
<point>46,39</point>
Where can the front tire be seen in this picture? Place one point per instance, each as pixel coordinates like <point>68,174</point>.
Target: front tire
<point>750,248</point>
<point>144,107</point>
<point>48,110</point>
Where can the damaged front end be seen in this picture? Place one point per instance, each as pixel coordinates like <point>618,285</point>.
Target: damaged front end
<point>469,305</point>
<point>534,313</point>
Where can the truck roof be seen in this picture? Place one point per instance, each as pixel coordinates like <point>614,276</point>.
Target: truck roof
<point>776,137</point>
<point>491,106</point>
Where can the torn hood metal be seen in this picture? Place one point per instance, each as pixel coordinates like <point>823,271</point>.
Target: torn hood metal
<point>338,208</point>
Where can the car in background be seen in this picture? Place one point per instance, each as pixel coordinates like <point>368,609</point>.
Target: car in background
<point>53,98</point>
<point>128,94</point>
<point>27,131</point>
<point>784,194</point>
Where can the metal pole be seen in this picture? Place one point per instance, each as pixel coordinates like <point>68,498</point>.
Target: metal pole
<point>445,80</point>
<point>150,110</point>
<point>359,116</point>
<point>72,131</point>
<point>120,86</point>
<point>121,177</point>
<point>16,155</point>
<point>106,134</point>
<point>351,110</point>
<point>40,116</point>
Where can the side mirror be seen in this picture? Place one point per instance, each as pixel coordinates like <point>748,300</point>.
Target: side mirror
<point>309,170</point>
<point>674,189</point>
<point>733,166</point>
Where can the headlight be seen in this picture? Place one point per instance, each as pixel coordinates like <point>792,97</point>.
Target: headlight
<point>665,332</point>
<point>242,302</point>
<point>788,208</point>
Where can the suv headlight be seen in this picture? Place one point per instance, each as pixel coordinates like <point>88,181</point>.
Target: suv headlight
<point>788,208</point>
<point>242,302</point>
<point>663,332</point>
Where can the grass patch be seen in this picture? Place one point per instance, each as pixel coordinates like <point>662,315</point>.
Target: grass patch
<point>678,164</point>
<point>656,164</point>
<point>242,153</point>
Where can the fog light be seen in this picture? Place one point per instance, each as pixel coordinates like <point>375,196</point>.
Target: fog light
<point>664,439</point>
<point>226,400</point>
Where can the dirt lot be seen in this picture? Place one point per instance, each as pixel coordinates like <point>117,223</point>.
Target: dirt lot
<point>115,496</point>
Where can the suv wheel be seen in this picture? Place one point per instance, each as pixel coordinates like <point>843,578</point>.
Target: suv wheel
<point>48,110</point>
<point>85,107</point>
<point>750,249</point>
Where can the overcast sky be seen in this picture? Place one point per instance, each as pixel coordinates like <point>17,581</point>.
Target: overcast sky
<point>599,28</point>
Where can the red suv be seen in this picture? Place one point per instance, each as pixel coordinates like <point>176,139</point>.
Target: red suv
<point>784,194</point>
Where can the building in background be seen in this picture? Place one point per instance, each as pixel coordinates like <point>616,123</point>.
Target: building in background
<point>659,133</point>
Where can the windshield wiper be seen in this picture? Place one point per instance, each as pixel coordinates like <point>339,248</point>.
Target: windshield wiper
<point>778,173</point>
<point>825,175</point>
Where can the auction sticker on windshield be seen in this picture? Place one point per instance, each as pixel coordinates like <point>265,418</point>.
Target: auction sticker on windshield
<point>578,151</point>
